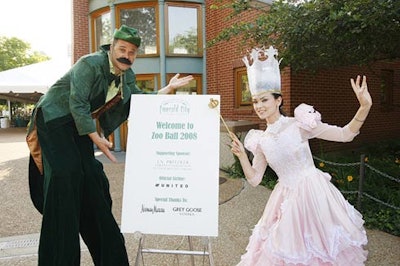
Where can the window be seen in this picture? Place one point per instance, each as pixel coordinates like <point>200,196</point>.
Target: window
<point>147,82</point>
<point>387,87</point>
<point>194,86</point>
<point>101,28</point>
<point>242,90</point>
<point>183,30</point>
<point>143,18</point>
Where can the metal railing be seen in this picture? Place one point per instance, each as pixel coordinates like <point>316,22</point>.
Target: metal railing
<point>360,192</point>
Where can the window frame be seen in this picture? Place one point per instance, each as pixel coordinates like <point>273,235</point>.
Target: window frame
<point>238,74</point>
<point>196,77</point>
<point>387,83</point>
<point>136,5</point>
<point>149,77</point>
<point>93,16</point>
<point>199,28</point>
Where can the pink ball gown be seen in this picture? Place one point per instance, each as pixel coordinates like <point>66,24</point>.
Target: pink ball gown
<point>306,220</point>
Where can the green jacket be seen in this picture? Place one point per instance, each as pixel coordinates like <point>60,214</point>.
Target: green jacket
<point>82,90</point>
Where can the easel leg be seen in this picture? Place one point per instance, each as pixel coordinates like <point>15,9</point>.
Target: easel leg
<point>205,252</point>
<point>191,249</point>
<point>210,257</point>
<point>139,255</point>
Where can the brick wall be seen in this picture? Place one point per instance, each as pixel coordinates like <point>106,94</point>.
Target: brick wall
<point>331,94</point>
<point>80,26</point>
<point>222,59</point>
<point>329,91</point>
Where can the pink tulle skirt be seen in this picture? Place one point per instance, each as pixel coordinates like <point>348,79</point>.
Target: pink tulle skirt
<point>311,224</point>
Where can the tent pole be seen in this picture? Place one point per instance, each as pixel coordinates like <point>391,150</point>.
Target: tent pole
<point>9,109</point>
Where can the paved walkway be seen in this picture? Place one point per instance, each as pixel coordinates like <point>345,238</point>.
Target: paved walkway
<point>240,207</point>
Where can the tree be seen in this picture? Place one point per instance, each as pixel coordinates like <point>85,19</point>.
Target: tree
<point>319,33</point>
<point>186,41</point>
<point>16,53</point>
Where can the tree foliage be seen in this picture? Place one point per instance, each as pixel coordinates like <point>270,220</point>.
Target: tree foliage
<point>16,53</point>
<point>186,41</point>
<point>319,33</point>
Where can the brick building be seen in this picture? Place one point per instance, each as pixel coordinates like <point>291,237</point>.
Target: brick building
<point>219,69</point>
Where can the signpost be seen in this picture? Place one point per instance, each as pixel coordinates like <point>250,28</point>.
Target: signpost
<point>172,167</point>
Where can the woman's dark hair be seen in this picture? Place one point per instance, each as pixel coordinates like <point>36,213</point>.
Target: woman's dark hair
<point>276,96</point>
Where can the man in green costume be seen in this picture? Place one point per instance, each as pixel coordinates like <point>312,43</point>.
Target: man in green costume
<point>67,183</point>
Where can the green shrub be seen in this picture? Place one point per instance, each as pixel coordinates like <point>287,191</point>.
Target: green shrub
<point>381,182</point>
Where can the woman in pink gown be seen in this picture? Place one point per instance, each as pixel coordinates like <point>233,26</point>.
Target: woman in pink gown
<point>306,220</point>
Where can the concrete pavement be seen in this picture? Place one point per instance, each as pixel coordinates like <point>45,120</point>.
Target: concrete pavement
<point>240,208</point>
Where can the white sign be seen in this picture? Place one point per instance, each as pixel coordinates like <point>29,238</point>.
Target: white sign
<point>172,166</point>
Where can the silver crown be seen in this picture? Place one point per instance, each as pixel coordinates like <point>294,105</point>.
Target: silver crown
<point>263,74</point>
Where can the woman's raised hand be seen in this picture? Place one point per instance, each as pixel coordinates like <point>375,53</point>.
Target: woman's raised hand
<point>361,91</point>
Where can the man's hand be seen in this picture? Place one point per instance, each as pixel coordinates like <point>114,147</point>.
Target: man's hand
<point>104,145</point>
<point>175,83</point>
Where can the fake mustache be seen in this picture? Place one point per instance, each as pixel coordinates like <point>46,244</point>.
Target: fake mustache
<point>124,60</point>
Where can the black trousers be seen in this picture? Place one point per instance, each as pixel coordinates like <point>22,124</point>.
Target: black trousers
<point>75,199</point>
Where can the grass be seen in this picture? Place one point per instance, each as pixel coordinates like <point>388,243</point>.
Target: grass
<point>382,165</point>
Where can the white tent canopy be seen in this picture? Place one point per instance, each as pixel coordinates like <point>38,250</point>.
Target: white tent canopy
<point>26,84</point>
<point>35,78</point>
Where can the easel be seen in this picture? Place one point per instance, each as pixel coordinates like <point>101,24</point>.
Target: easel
<point>206,251</point>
